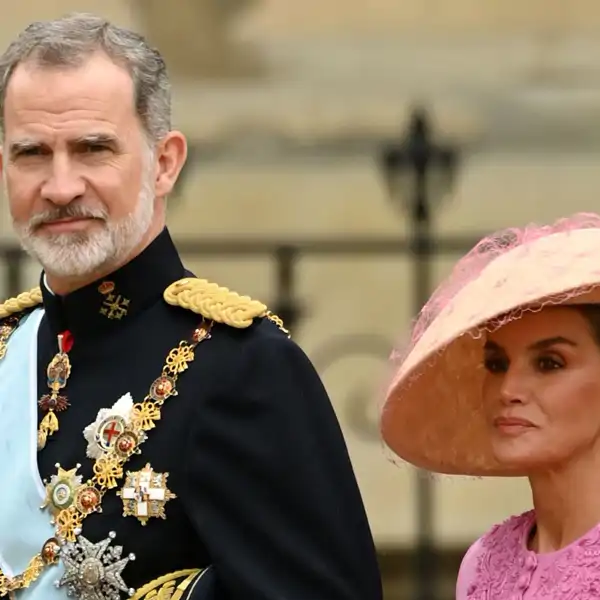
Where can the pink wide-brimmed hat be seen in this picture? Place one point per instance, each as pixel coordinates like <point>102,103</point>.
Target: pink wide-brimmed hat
<point>433,417</point>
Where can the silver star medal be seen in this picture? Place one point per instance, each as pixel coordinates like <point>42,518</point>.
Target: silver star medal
<point>102,434</point>
<point>93,571</point>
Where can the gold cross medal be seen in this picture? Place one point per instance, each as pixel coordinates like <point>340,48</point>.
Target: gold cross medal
<point>145,494</point>
<point>111,427</point>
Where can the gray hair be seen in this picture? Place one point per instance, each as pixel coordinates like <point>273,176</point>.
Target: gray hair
<point>69,41</point>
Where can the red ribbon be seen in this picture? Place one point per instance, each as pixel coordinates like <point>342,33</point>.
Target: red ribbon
<point>67,341</point>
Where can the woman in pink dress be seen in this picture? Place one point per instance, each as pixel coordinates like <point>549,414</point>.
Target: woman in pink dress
<point>502,378</point>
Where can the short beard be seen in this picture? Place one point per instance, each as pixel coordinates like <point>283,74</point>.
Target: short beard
<point>81,253</point>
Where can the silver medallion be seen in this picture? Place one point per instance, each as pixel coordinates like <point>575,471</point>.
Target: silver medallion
<point>93,571</point>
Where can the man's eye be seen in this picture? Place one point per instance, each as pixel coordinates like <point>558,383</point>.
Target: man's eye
<point>94,148</point>
<point>33,151</point>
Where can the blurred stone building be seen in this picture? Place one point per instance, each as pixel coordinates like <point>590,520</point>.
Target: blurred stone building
<point>277,91</point>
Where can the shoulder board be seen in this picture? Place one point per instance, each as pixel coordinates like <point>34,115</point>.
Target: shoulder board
<point>219,304</point>
<point>20,303</point>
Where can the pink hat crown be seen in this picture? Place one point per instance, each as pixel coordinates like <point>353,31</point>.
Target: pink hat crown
<point>470,266</point>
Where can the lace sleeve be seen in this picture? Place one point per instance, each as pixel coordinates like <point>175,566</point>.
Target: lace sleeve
<point>468,571</point>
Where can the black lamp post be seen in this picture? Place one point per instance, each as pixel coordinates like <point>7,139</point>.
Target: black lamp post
<point>418,174</point>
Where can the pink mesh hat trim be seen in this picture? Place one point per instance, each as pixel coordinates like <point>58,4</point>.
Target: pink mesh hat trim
<point>432,415</point>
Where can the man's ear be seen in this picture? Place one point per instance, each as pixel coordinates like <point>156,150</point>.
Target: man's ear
<point>171,156</point>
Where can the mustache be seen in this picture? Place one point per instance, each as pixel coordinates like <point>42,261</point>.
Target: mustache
<point>71,211</point>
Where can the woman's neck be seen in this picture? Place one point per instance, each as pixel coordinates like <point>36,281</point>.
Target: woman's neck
<point>566,502</point>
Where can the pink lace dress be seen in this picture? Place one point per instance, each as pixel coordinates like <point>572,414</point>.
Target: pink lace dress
<point>499,566</point>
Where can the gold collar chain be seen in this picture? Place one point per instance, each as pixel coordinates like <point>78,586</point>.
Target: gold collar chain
<point>87,497</point>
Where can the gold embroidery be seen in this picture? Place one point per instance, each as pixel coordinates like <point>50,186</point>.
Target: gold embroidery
<point>163,588</point>
<point>114,306</point>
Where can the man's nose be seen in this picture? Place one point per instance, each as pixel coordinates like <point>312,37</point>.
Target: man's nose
<point>64,184</point>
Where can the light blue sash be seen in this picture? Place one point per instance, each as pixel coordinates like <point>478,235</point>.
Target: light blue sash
<point>23,526</point>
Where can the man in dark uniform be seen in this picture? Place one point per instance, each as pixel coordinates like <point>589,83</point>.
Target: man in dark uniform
<point>162,436</point>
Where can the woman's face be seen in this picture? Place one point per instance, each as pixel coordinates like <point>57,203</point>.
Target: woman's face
<point>542,389</point>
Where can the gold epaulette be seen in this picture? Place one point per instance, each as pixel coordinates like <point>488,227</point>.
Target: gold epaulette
<point>169,587</point>
<point>219,304</point>
<point>21,302</point>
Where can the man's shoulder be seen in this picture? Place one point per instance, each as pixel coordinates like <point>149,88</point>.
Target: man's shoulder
<point>13,312</point>
<point>20,305</point>
<point>222,307</point>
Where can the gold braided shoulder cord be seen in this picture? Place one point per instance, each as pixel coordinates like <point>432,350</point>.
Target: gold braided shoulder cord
<point>219,304</point>
<point>11,313</point>
<point>21,302</point>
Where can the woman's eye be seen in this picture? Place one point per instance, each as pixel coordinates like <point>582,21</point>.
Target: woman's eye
<point>496,365</point>
<point>547,363</point>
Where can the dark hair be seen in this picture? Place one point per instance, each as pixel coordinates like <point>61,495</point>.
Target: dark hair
<point>591,313</point>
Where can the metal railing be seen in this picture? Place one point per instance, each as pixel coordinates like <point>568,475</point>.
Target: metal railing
<point>284,255</point>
